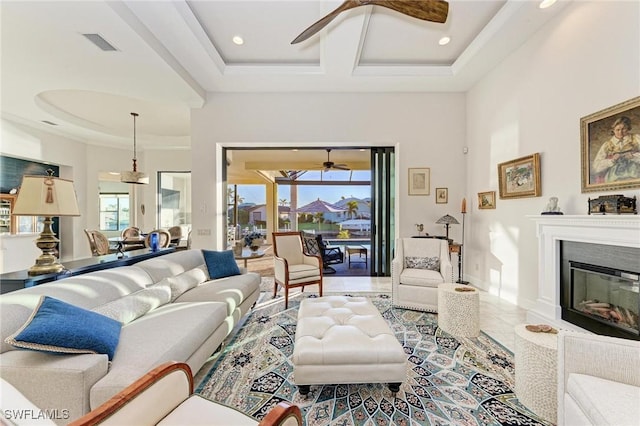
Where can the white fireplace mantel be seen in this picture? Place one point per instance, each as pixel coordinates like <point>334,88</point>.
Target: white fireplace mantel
<point>615,230</point>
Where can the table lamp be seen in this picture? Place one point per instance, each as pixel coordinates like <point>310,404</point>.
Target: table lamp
<point>447,221</point>
<point>46,196</point>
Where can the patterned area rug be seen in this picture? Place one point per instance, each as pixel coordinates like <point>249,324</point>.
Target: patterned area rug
<point>449,380</point>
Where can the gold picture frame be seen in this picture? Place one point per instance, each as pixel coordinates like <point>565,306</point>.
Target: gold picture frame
<point>609,150</point>
<point>520,177</point>
<point>442,195</point>
<point>487,200</point>
<point>419,181</point>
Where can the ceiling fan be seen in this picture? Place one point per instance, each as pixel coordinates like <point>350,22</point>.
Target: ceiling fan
<point>328,165</point>
<point>427,10</point>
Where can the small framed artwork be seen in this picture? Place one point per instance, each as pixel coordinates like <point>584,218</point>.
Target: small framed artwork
<point>610,148</point>
<point>487,200</point>
<point>419,181</point>
<point>442,195</point>
<point>520,177</point>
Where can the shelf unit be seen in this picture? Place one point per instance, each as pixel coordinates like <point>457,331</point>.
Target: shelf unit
<point>10,224</point>
<point>7,219</point>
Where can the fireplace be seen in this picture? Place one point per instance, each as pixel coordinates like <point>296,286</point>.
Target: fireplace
<point>605,251</point>
<point>598,298</point>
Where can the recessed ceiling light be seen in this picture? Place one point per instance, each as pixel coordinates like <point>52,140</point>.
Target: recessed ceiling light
<point>444,40</point>
<point>238,40</point>
<point>546,3</point>
<point>114,173</point>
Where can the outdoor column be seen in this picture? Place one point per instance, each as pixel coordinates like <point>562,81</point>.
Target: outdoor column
<point>293,207</point>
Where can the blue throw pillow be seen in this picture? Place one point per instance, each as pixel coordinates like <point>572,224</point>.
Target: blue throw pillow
<point>57,326</point>
<point>220,263</point>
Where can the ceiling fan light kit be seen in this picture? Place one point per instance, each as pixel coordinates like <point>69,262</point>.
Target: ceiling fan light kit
<point>426,10</point>
<point>134,176</point>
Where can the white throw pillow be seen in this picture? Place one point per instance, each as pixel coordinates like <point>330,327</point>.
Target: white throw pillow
<point>186,281</point>
<point>135,305</point>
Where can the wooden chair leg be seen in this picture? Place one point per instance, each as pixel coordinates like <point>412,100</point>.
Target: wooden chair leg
<point>320,285</point>
<point>275,288</point>
<point>286,296</point>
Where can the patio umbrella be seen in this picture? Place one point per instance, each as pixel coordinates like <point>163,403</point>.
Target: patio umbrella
<point>319,206</point>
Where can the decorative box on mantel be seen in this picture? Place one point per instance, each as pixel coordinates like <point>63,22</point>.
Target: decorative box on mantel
<point>610,230</point>
<point>613,204</point>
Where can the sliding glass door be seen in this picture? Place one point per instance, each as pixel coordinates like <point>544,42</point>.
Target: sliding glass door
<point>382,211</point>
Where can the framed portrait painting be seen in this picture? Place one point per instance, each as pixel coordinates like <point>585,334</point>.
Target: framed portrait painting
<point>419,181</point>
<point>520,177</point>
<point>442,195</point>
<point>487,200</point>
<point>610,148</point>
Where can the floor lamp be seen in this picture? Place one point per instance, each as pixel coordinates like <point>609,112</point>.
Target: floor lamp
<point>463,210</point>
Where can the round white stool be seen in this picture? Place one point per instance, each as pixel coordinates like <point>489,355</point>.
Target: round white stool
<point>459,311</point>
<point>536,371</point>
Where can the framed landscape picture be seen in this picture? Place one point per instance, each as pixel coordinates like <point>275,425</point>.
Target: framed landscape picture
<point>610,148</point>
<point>520,177</point>
<point>419,181</point>
<point>442,195</point>
<point>487,200</point>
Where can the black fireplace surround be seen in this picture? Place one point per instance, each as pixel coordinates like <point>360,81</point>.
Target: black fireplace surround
<point>599,288</point>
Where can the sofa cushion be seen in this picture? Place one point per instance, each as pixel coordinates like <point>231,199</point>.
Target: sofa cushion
<point>421,277</point>
<point>56,326</point>
<point>196,410</point>
<point>172,332</point>
<point>172,264</point>
<point>220,264</point>
<point>414,262</point>
<point>604,402</point>
<point>233,291</point>
<point>128,308</point>
<point>186,281</point>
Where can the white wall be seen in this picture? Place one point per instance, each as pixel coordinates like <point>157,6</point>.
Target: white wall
<point>585,60</point>
<point>81,163</point>
<point>427,129</point>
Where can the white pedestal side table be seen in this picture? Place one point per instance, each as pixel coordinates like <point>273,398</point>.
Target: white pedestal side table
<point>459,311</point>
<point>536,371</point>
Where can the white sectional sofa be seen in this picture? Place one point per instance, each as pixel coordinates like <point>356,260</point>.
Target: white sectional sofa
<point>170,311</point>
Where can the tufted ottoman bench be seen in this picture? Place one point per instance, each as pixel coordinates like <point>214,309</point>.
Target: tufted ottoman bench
<point>341,339</point>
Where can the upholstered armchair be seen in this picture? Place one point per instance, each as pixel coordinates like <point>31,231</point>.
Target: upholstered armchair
<point>419,266</point>
<point>598,380</point>
<point>293,267</point>
<point>164,396</point>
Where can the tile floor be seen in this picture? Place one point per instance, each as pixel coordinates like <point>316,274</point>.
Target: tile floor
<point>497,317</point>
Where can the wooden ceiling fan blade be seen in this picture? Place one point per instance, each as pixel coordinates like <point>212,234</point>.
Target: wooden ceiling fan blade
<point>323,22</point>
<point>341,167</point>
<point>427,10</point>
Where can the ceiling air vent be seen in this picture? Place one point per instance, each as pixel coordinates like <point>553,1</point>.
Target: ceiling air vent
<point>50,123</point>
<point>100,42</point>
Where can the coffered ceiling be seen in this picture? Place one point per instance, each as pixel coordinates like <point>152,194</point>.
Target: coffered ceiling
<point>169,54</point>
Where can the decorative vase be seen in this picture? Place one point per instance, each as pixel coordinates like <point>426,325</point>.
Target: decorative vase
<point>254,248</point>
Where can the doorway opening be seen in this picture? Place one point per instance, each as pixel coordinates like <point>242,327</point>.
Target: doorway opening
<point>342,195</point>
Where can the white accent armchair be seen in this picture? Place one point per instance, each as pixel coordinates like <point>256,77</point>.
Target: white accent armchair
<point>164,396</point>
<point>419,266</point>
<point>598,380</point>
<point>294,268</point>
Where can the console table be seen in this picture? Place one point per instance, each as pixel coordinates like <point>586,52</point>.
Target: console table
<point>12,281</point>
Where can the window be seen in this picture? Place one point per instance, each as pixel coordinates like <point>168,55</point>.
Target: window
<point>114,211</point>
